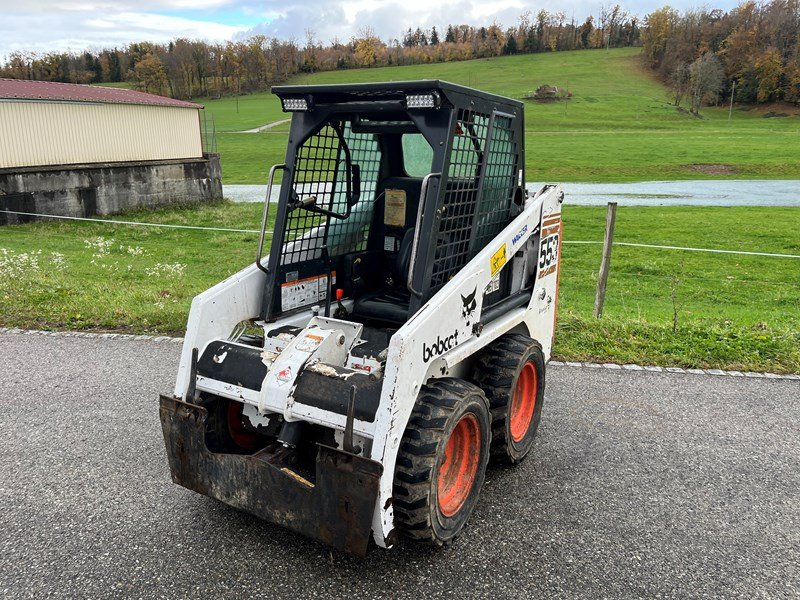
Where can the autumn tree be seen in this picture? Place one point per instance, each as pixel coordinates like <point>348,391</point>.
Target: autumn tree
<point>366,47</point>
<point>768,70</point>
<point>151,75</point>
<point>659,26</point>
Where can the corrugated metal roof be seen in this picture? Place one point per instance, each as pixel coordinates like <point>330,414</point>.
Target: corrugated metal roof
<point>22,89</point>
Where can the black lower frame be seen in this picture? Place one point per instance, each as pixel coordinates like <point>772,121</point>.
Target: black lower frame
<point>336,508</point>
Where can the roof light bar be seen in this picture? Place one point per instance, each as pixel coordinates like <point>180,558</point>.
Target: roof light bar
<point>431,100</point>
<point>297,104</point>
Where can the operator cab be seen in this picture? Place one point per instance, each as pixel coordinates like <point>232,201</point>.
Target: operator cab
<point>388,190</point>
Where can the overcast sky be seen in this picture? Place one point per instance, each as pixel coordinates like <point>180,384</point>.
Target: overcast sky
<point>43,25</point>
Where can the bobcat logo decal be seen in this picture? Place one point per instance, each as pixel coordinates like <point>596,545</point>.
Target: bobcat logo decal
<point>469,304</point>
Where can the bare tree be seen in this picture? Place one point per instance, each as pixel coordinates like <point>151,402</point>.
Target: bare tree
<point>680,81</point>
<point>706,78</point>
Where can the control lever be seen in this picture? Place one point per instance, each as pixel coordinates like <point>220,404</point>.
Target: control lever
<point>347,442</point>
<point>341,311</point>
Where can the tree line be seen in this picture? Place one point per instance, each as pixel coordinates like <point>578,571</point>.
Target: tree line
<point>751,53</point>
<point>185,68</point>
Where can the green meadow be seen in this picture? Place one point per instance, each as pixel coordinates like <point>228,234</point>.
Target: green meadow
<point>663,307</point>
<point>620,124</point>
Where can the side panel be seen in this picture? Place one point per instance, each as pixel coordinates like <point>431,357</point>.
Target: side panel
<point>439,336</point>
<point>542,310</point>
<point>37,133</point>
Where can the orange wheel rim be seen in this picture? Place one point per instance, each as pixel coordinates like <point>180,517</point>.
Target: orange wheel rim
<point>460,465</point>
<point>523,403</point>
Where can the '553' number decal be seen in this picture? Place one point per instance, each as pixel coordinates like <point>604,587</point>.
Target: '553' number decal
<point>548,255</point>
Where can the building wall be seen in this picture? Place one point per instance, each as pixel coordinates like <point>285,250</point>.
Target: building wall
<point>36,133</point>
<point>103,189</point>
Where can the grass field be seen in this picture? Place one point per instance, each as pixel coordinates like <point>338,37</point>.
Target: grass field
<point>732,311</point>
<point>619,125</point>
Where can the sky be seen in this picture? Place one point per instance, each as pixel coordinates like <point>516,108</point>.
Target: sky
<point>77,25</point>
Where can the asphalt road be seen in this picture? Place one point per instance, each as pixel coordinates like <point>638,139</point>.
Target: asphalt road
<point>643,485</point>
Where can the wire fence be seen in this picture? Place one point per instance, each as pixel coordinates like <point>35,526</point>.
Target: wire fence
<point>233,230</point>
<point>651,282</point>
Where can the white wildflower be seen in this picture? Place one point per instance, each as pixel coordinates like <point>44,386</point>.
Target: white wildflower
<point>132,250</point>
<point>58,261</point>
<point>15,265</point>
<point>100,245</point>
<point>166,270</point>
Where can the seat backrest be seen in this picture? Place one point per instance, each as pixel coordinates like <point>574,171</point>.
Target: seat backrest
<point>404,256</point>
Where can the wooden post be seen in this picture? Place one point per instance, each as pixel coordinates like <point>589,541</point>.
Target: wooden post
<point>605,264</point>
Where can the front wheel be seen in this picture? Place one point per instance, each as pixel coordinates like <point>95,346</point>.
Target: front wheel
<point>442,461</point>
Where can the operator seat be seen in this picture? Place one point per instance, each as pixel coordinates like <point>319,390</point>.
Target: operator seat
<point>390,304</point>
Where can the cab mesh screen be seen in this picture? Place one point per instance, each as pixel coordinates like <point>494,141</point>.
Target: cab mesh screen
<point>473,213</point>
<point>320,172</point>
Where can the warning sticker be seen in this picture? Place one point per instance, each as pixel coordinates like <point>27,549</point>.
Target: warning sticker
<point>494,284</point>
<point>284,375</point>
<point>394,213</point>
<point>303,292</point>
<point>498,260</point>
<point>389,243</point>
<point>309,342</point>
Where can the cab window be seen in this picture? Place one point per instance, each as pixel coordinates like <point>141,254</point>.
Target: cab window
<point>417,155</point>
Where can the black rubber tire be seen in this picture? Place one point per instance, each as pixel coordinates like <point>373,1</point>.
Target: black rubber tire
<point>496,372</point>
<point>440,406</point>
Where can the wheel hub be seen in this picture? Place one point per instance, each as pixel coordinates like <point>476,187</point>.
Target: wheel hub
<point>523,404</point>
<point>459,465</point>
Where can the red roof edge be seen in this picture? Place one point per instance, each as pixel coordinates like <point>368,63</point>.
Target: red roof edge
<point>25,89</point>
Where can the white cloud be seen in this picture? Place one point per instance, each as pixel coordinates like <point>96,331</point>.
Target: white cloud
<point>43,25</point>
<point>76,30</point>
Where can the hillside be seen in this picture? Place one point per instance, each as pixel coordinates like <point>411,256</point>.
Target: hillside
<point>619,125</point>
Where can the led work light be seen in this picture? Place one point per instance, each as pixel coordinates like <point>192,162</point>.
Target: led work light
<point>431,100</point>
<point>296,104</point>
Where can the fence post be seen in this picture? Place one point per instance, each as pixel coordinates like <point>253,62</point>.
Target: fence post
<point>605,264</point>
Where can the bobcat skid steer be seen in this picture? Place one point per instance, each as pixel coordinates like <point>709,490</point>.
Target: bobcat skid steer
<point>355,382</point>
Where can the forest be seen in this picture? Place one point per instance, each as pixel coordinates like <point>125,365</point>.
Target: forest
<point>186,68</point>
<point>751,53</point>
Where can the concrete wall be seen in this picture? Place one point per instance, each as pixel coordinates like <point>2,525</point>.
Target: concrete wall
<point>36,133</point>
<point>104,189</point>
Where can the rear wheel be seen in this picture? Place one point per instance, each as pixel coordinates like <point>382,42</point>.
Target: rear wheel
<point>510,371</point>
<point>442,461</point>
<point>225,430</point>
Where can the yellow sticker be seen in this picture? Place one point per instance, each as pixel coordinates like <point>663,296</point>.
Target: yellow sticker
<point>498,260</point>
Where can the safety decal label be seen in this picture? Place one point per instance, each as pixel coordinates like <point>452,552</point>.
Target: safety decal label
<point>303,292</point>
<point>309,342</point>
<point>284,375</point>
<point>394,213</point>
<point>493,285</point>
<point>498,260</point>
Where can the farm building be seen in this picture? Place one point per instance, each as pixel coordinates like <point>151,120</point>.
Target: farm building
<point>79,150</point>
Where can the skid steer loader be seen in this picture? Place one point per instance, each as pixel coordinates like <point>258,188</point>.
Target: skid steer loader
<point>358,379</point>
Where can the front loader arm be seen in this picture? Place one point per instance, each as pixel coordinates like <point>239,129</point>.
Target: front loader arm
<point>214,314</point>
